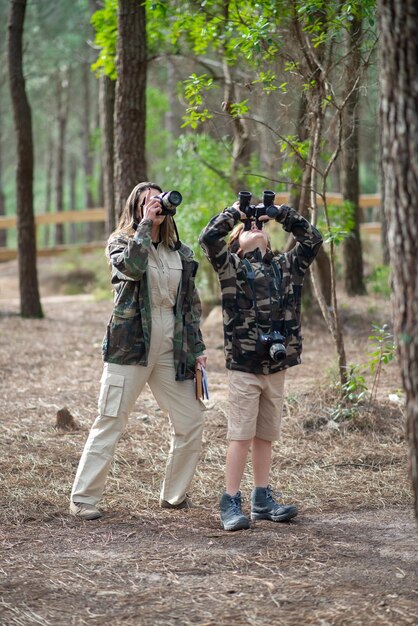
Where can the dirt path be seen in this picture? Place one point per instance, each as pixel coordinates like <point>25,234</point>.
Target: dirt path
<point>353,568</point>
<point>349,558</point>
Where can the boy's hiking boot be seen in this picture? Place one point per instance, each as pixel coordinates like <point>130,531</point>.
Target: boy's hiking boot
<point>264,506</point>
<point>82,510</point>
<point>231,514</point>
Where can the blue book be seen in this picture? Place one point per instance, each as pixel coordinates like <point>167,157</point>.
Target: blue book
<point>201,381</point>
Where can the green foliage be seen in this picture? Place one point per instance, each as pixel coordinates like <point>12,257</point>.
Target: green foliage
<point>379,280</point>
<point>104,22</point>
<point>197,166</point>
<point>342,223</point>
<point>268,81</point>
<point>355,391</point>
<point>355,388</point>
<point>194,87</point>
<point>157,137</point>
<point>382,352</point>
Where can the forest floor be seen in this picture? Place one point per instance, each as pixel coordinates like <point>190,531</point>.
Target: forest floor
<point>349,558</point>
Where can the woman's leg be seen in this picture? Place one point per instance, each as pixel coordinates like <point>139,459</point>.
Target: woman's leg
<point>186,416</point>
<point>120,387</point>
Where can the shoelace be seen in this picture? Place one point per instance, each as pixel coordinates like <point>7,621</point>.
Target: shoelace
<point>273,495</point>
<point>237,505</point>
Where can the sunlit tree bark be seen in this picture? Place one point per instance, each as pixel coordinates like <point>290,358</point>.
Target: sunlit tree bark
<point>130,105</point>
<point>398,20</point>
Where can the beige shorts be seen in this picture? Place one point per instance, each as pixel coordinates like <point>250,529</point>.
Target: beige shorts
<point>255,405</point>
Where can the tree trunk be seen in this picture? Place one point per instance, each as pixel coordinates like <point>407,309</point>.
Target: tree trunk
<point>48,185</point>
<point>30,303</point>
<point>72,175</point>
<point>382,214</point>
<point>169,117</point>
<point>399,116</point>
<point>353,255</point>
<point>63,92</point>
<point>315,76</point>
<point>130,103</point>
<point>3,233</point>
<point>107,109</point>
<point>86,146</point>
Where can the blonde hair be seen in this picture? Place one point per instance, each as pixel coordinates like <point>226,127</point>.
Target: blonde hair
<point>233,241</point>
<point>131,215</point>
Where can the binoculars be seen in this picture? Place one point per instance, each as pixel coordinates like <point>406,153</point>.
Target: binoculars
<point>255,211</point>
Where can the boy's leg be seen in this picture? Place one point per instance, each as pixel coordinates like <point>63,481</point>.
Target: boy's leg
<point>261,457</point>
<point>244,392</point>
<point>236,458</point>
<point>263,503</point>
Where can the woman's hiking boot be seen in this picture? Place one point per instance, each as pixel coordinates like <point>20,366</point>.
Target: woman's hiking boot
<point>264,506</point>
<point>84,510</point>
<point>231,514</point>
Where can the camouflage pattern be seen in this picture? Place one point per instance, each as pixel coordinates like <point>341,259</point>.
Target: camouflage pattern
<point>128,333</point>
<point>240,327</point>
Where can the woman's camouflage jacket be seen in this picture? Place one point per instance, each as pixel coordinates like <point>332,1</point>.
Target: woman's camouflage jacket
<point>128,332</point>
<point>276,305</point>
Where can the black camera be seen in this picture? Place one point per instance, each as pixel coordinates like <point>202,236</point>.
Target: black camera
<point>169,200</point>
<point>271,344</point>
<point>255,211</point>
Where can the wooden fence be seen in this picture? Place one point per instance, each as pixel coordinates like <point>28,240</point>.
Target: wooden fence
<point>367,201</point>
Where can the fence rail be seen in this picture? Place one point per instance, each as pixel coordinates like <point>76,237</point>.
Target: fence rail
<point>99,215</point>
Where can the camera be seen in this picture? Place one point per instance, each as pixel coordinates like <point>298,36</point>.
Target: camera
<point>271,344</point>
<point>169,201</point>
<point>255,211</point>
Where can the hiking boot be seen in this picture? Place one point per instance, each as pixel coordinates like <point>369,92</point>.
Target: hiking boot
<point>231,514</point>
<point>264,506</point>
<point>184,504</point>
<point>84,510</point>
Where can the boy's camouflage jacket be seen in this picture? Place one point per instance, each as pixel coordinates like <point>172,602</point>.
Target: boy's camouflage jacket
<point>241,325</point>
<point>128,332</point>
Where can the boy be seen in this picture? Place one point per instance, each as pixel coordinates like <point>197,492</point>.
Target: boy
<point>261,300</point>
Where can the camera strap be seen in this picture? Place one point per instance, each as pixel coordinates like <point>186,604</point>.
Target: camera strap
<point>249,271</point>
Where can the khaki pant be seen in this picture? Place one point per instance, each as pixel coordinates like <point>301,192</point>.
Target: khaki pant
<point>120,388</point>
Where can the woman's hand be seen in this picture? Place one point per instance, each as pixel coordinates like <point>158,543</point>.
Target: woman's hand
<point>152,207</point>
<point>201,361</point>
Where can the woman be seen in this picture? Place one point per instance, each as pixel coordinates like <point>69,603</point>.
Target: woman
<point>261,300</point>
<point>153,337</point>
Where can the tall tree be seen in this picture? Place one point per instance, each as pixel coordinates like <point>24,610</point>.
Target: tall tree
<point>30,303</point>
<point>86,144</point>
<point>353,255</point>
<point>63,96</point>
<point>3,233</point>
<point>104,21</point>
<point>130,104</point>
<point>398,20</point>
<point>107,109</point>
<point>49,165</point>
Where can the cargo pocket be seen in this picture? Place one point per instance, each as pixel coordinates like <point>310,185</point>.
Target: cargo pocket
<point>111,394</point>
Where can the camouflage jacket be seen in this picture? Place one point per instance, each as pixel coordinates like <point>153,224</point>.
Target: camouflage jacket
<point>128,332</point>
<point>278,304</point>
